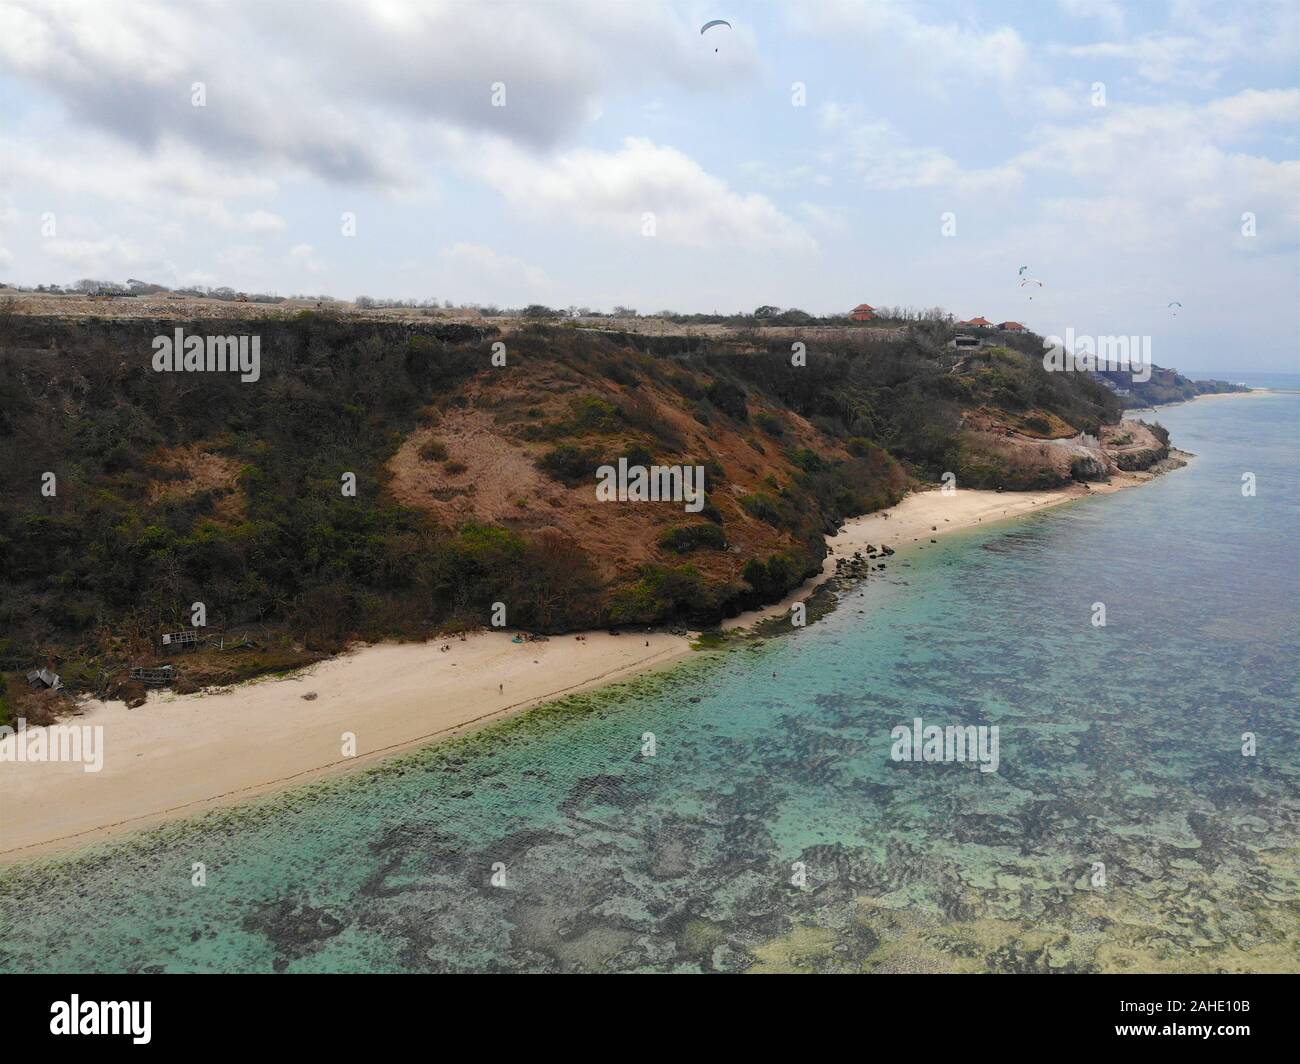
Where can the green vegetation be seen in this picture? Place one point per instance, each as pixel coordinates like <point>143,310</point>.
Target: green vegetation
<point>178,488</point>
<point>771,424</point>
<point>685,538</point>
<point>1165,386</point>
<point>771,579</point>
<point>761,505</point>
<point>667,591</point>
<point>570,464</point>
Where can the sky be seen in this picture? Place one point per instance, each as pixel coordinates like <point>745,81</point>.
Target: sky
<point>816,154</point>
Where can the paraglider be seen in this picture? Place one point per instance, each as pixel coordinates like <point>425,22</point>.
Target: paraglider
<point>1177,304</point>
<point>715,22</point>
<point>1022,270</point>
<point>1028,281</point>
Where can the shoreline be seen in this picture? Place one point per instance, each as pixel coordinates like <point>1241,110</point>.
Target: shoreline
<point>926,515</point>
<point>1248,393</point>
<point>182,755</point>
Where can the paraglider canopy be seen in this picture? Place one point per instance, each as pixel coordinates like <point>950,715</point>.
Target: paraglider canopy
<point>1029,280</point>
<point>715,22</point>
<point>1023,269</point>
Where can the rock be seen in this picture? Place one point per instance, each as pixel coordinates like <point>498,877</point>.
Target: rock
<point>310,696</point>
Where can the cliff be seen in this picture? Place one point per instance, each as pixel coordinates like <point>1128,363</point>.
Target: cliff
<point>474,481</point>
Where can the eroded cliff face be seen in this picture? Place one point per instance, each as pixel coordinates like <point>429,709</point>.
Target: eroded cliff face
<point>1039,460</point>
<point>386,479</point>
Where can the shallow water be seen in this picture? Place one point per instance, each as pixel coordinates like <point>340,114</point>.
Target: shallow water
<point>1119,745</point>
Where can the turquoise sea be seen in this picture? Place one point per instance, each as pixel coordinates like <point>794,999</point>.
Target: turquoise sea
<point>1120,746</point>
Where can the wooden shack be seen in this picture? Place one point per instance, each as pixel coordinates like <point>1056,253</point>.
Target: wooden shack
<point>186,640</point>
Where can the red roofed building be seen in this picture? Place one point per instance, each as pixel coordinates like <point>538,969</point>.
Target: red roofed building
<point>978,323</point>
<point>1011,326</point>
<point>863,312</point>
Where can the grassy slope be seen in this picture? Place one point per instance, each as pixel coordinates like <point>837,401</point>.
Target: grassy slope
<point>182,488</point>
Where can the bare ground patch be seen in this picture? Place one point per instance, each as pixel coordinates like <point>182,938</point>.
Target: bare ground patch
<point>191,470</point>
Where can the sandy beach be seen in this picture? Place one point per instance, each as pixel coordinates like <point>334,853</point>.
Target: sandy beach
<point>178,755</point>
<point>181,754</point>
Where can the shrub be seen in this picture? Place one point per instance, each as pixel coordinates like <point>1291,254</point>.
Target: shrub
<point>808,460</point>
<point>639,455</point>
<point>571,464</point>
<point>761,505</point>
<point>685,538</point>
<point>771,424</point>
<point>433,451</point>
<point>729,397</point>
<point>771,580</point>
<point>662,592</point>
<point>710,512</point>
<point>593,414</point>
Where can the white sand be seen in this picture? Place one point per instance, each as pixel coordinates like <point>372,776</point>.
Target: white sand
<point>180,754</point>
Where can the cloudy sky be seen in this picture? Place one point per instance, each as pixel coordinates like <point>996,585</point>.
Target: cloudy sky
<point>806,157</point>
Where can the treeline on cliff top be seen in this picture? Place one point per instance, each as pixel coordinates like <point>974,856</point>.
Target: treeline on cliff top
<point>1165,386</point>
<point>98,570</point>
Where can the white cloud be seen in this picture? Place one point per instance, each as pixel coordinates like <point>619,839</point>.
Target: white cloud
<point>478,268</point>
<point>1168,179</point>
<point>1201,42</point>
<point>259,222</point>
<point>1158,58</point>
<point>885,161</point>
<point>614,190</point>
<point>1107,12</point>
<point>936,56</point>
<point>104,258</point>
<point>304,256</point>
<point>169,177</point>
<point>338,88</point>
